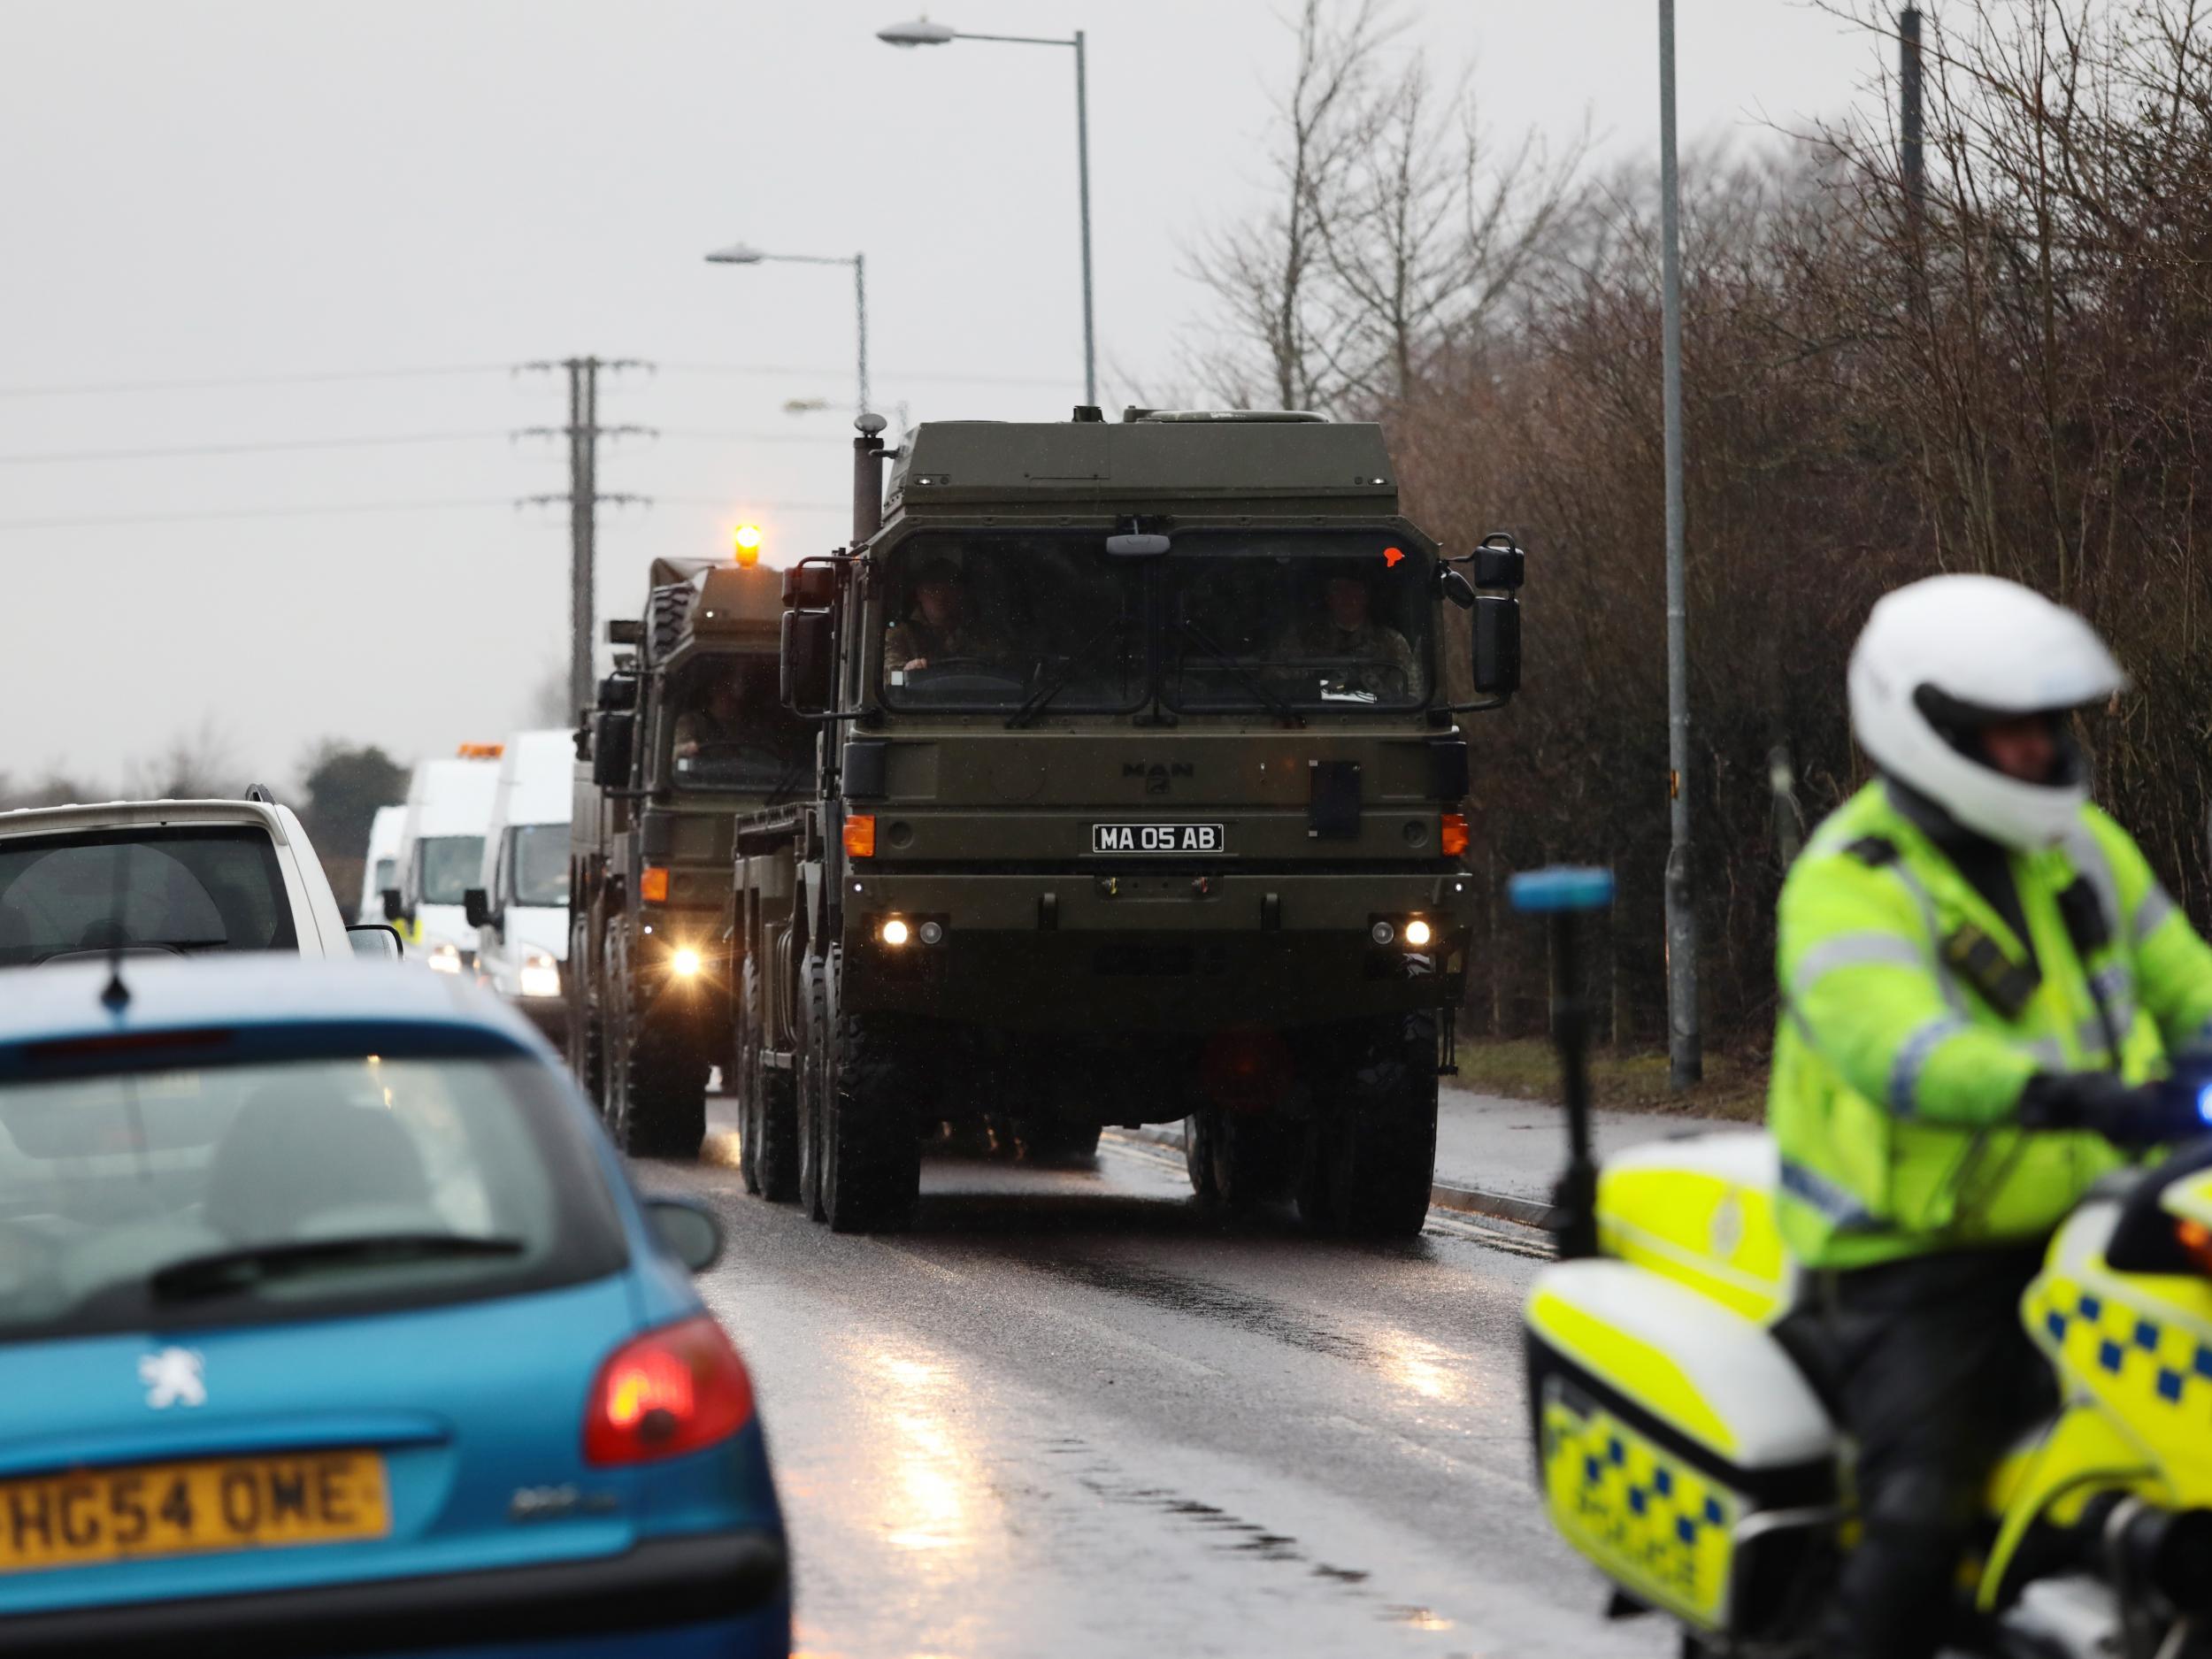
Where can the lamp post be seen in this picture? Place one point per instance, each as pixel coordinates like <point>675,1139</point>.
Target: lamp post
<point>739,253</point>
<point>922,31</point>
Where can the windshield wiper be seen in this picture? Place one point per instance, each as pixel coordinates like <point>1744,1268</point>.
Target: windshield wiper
<point>1077,664</point>
<point>221,1271</point>
<point>1277,706</point>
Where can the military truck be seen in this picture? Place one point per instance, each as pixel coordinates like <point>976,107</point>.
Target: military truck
<point>1141,799</point>
<point>686,732</point>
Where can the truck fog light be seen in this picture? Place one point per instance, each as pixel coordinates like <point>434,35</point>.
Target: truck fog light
<point>893,932</point>
<point>540,976</point>
<point>932,932</point>
<point>1418,932</point>
<point>685,962</point>
<point>1382,932</point>
<point>444,959</point>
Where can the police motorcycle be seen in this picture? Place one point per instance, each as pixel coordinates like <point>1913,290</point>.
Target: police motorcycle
<point>1683,1447</point>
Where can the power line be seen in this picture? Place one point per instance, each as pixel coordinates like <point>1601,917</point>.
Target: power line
<point>258,447</point>
<point>255,512</point>
<point>217,382</point>
<point>945,377</point>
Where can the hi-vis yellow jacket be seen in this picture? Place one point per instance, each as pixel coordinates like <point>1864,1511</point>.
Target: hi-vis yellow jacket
<point>1912,1017</point>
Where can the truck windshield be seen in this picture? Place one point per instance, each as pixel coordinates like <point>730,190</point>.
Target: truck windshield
<point>449,865</point>
<point>731,730</point>
<point>1334,620</point>
<point>987,620</point>
<point>537,854</point>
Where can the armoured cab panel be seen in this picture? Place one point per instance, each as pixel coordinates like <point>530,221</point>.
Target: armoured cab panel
<point>1678,1447</point>
<point>1700,1210</point>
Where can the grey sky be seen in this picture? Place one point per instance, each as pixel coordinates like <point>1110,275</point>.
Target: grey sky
<point>266,187</point>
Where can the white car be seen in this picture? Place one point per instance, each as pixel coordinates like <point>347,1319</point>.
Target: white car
<point>182,877</point>
<point>379,869</point>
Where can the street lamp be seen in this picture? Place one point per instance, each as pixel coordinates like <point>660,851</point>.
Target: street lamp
<point>922,31</point>
<point>739,253</point>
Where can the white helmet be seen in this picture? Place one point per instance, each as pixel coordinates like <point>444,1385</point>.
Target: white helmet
<point>1941,657</point>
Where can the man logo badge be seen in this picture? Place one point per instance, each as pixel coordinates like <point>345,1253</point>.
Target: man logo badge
<point>174,1377</point>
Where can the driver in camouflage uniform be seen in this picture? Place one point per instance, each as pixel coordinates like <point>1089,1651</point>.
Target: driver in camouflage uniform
<point>939,626</point>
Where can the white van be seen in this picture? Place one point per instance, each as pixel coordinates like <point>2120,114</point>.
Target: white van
<point>379,869</point>
<point>440,852</point>
<point>520,903</point>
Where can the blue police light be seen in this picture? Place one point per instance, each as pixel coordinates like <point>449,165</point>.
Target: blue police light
<point>1561,887</point>
<point>2204,1103</point>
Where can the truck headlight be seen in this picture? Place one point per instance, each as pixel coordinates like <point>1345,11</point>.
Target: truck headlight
<point>893,931</point>
<point>685,962</point>
<point>540,976</point>
<point>444,959</point>
<point>1417,933</point>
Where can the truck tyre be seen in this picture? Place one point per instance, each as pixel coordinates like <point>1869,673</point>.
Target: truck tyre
<point>656,1105</point>
<point>768,1120</point>
<point>813,1046</point>
<point>872,1149</point>
<point>1198,1152</point>
<point>1254,1159</point>
<point>1374,1152</point>
<point>585,1042</point>
<point>664,620</point>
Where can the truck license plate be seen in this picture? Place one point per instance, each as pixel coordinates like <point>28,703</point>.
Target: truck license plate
<point>1158,837</point>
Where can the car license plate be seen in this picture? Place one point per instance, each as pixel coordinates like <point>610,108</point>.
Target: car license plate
<point>1159,838</point>
<point>153,1510</point>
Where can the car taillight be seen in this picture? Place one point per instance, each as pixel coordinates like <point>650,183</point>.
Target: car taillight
<point>669,1391</point>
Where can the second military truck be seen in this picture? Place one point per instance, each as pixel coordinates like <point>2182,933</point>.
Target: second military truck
<point>686,734</point>
<point>1142,800</point>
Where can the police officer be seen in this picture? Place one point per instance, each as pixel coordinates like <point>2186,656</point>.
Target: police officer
<point>1980,972</point>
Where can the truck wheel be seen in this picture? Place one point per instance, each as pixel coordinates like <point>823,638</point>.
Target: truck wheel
<point>1375,1154</point>
<point>813,1052</point>
<point>1254,1159</point>
<point>664,1085</point>
<point>586,1057</point>
<point>1198,1152</point>
<point>872,1149</point>
<point>768,1117</point>
<point>1055,1140</point>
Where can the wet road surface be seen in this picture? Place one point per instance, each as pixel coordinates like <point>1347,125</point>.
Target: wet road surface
<point>1075,1412</point>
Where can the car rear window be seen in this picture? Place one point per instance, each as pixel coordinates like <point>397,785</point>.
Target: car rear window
<point>190,889</point>
<point>250,1193</point>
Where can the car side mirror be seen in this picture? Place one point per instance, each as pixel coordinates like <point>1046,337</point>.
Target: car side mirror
<point>688,1229</point>
<point>807,670</point>
<point>379,942</point>
<point>1497,641</point>
<point>610,744</point>
<point>394,905</point>
<point>476,904</point>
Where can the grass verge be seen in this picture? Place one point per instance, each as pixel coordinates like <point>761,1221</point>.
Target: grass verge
<point>1527,1068</point>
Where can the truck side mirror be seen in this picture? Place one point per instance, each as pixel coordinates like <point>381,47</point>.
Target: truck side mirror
<point>394,905</point>
<point>809,666</point>
<point>618,691</point>
<point>610,744</point>
<point>476,904</point>
<point>811,585</point>
<point>1498,563</point>
<point>1497,638</point>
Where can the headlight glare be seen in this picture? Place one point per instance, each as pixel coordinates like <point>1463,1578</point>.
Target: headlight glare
<point>444,959</point>
<point>894,932</point>
<point>1418,932</point>
<point>685,962</point>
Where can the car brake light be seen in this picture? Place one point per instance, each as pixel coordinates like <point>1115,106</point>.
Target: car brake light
<point>860,835</point>
<point>652,884</point>
<point>1452,834</point>
<point>672,1391</point>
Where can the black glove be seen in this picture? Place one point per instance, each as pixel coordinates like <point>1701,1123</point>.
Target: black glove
<point>2127,1114</point>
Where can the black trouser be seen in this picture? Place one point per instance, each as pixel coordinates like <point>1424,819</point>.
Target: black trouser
<point>1935,1377</point>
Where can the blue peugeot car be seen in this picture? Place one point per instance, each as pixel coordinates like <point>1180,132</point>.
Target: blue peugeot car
<point>331,1324</point>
